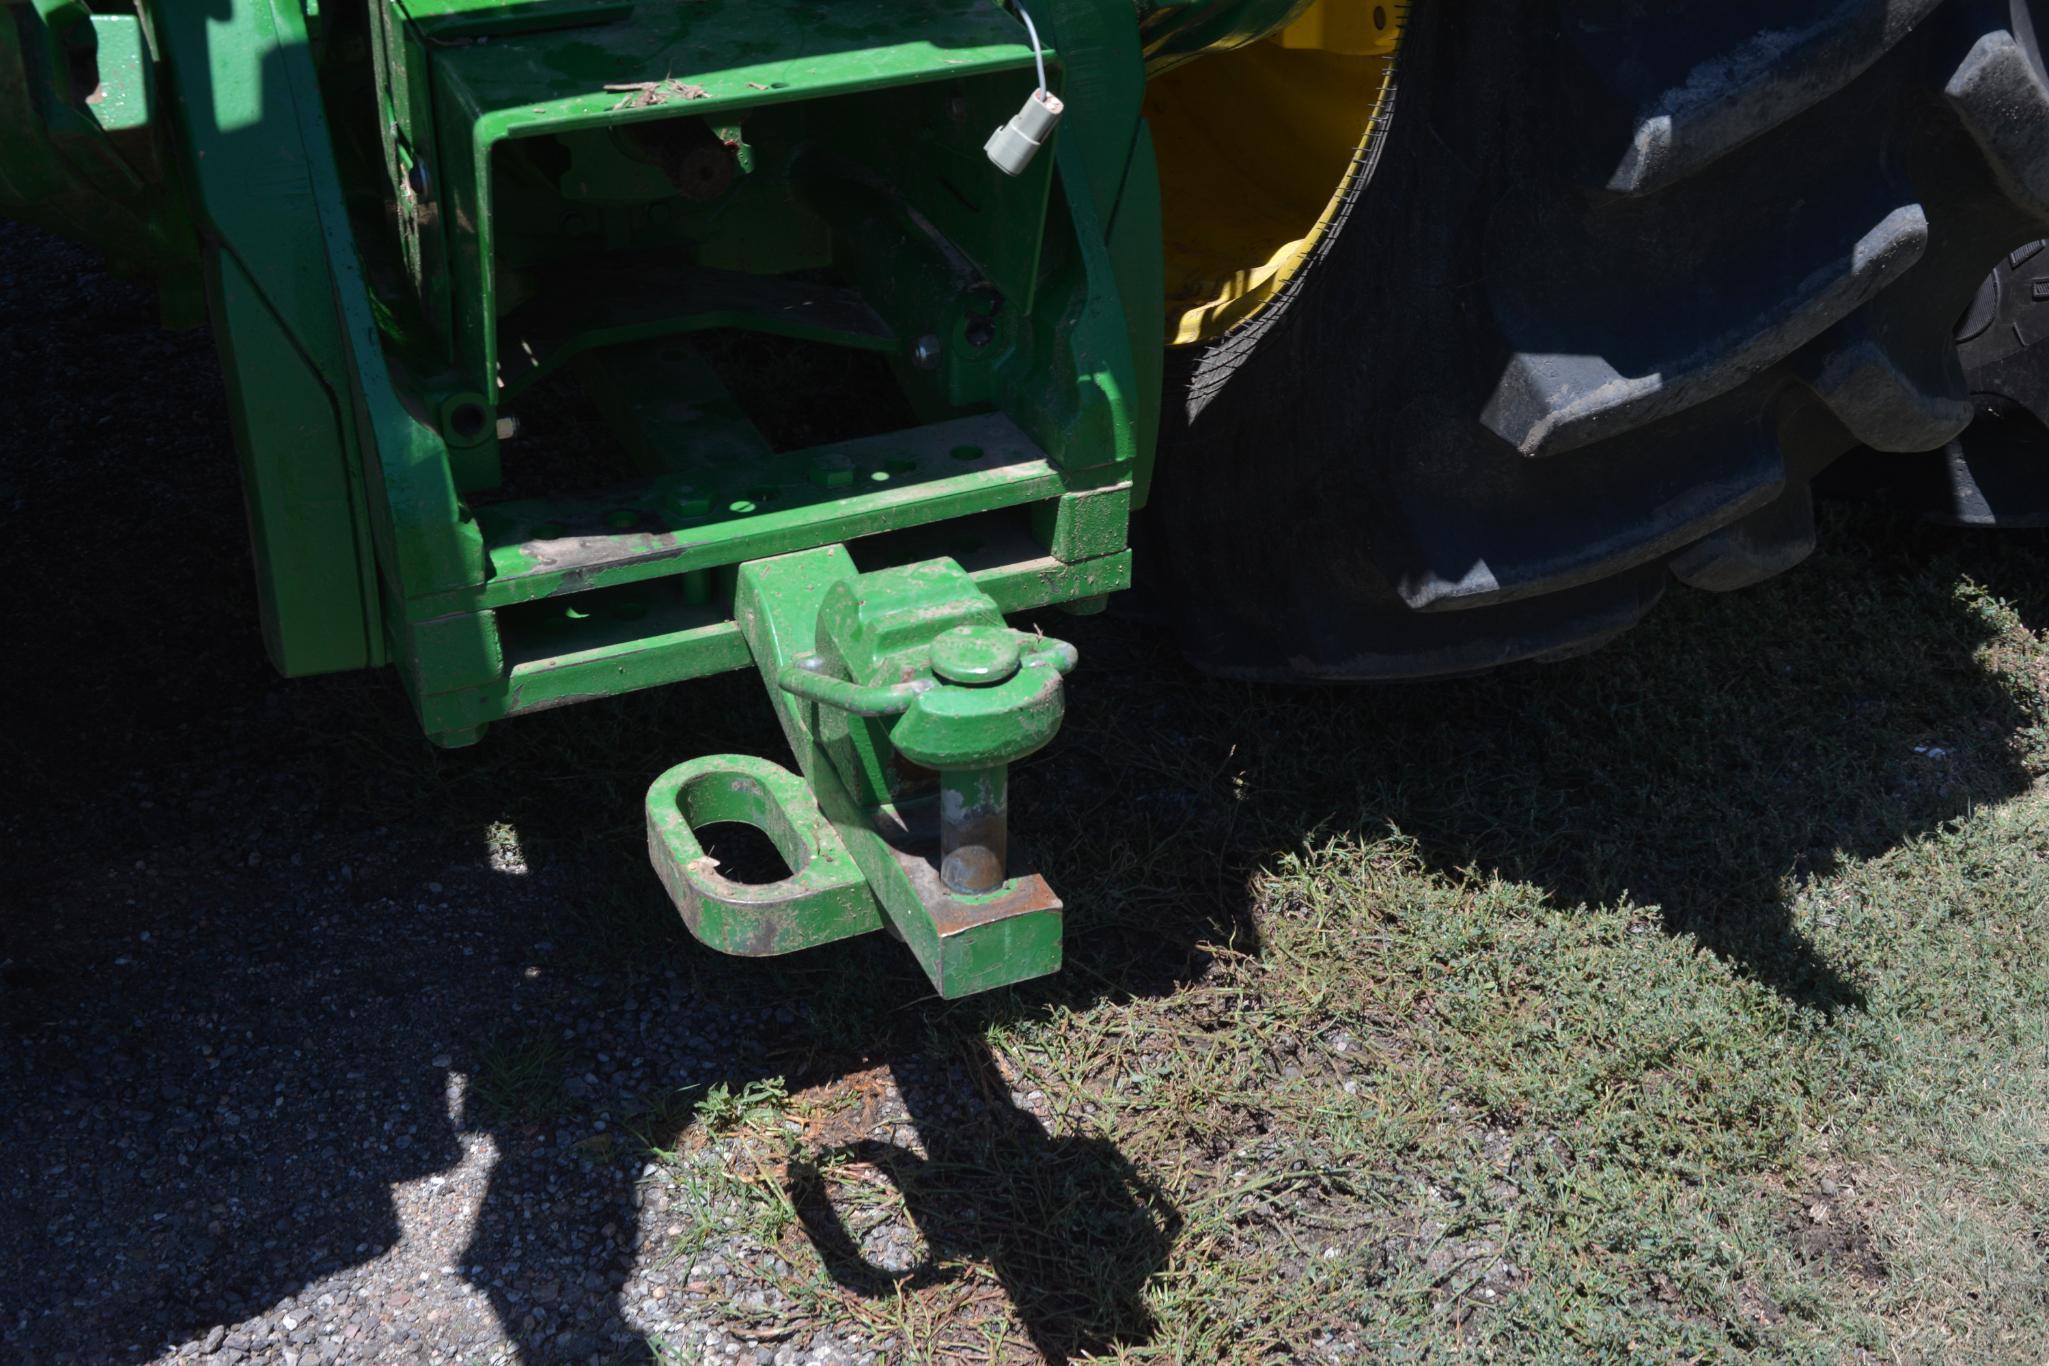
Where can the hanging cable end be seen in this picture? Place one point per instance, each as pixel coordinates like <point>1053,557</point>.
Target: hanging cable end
<point>1013,146</point>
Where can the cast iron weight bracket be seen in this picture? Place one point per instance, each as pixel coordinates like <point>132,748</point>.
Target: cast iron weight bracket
<point>905,698</point>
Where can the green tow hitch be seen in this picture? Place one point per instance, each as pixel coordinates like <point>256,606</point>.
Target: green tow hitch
<point>905,698</point>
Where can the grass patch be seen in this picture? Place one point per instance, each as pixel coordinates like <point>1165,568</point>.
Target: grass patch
<point>1681,1001</point>
<point>724,1109</point>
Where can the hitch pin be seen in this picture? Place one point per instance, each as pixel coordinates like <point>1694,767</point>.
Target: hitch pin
<point>973,802</point>
<point>974,797</point>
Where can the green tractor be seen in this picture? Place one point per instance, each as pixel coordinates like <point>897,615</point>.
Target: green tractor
<point>582,346</point>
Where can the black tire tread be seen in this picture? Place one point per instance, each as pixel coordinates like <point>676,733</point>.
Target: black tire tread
<point>1505,399</point>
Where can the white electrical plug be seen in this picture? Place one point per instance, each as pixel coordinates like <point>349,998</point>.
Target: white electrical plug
<point>1013,146</point>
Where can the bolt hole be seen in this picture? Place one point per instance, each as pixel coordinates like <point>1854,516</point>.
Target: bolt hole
<point>1379,17</point>
<point>467,420</point>
<point>745,852</point>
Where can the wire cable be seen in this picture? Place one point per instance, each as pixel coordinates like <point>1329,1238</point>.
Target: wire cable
<point>1032,32</point>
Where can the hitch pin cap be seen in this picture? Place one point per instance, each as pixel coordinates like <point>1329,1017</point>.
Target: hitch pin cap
<point>976,656</point>
<point>1013,146</point>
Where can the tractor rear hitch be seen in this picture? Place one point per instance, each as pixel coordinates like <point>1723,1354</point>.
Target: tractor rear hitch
<point>905,698</point>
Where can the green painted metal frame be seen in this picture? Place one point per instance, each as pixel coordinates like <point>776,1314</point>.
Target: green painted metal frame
<point>1067,381</point>
<point>82,151</point>
<point>367,547</point>
<point>252,148</point>
<point>715,59</point>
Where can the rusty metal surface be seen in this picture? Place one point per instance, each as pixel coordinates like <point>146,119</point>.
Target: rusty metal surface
<point>974,829</point>
<point>912,833</point>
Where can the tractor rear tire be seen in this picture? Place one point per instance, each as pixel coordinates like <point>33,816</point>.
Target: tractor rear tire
<point>1623,278</point>
<point>1996,474</point>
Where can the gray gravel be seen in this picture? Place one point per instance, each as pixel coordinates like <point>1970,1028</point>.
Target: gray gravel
<point>265,948</point>
<point>245,1133</point>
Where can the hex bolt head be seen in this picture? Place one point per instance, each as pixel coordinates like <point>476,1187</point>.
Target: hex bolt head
<point>925,352</point>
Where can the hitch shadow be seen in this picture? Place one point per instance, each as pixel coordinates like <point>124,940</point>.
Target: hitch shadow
<point>1070,1229</point>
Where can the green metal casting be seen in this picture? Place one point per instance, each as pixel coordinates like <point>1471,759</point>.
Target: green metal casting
<point>905,698</point>
<point>824,898</point>
<point>82,142</point>
<point>414,223</point>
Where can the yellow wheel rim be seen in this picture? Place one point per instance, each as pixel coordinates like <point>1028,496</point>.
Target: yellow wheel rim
<point>1258,147</point>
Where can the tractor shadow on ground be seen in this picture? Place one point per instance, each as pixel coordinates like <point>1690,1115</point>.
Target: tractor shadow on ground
<point>255,1099</point>
<point>277,970</point>
<point>1708,764</point>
